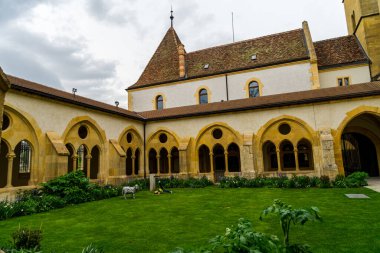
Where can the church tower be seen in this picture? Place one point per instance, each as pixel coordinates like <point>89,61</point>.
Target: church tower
<point>363,21</point>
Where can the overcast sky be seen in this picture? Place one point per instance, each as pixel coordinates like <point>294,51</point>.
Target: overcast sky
<point>101,47</point>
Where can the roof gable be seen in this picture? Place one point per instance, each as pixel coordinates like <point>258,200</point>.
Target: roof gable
<point>164,63</point>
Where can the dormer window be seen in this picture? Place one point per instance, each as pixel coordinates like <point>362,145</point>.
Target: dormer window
<point>159,102</point>
<point>343,81</point>
<point>206,66</point>
<point>254,57</point>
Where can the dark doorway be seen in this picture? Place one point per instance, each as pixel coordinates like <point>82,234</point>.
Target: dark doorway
<point>233,158</point>
<point>70,167</point>
<point>3,164</point>
<point>164,161</point>
<point>204,159</point>
<point>359,154</point>
<point>128,162</point>
<point>174,160</point>
<point>94,164</point>
<point>152,161</point>
<point>219,162</point>
<point>137,161</point>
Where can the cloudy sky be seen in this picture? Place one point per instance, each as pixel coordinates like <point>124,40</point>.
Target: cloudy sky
<point>101,47</point>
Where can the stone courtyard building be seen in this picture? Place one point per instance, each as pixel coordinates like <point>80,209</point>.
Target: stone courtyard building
<point>278,104</point>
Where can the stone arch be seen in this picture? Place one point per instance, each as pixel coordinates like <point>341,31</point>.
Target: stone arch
<point>154,142</point>
<point>95,138</point>
<point>70,157</point>
<point>299,130</point>
<point>370,130</point>
<point>136,144</point>
<point>24,127</point>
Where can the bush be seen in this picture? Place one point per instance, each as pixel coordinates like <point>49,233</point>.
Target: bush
<point>314,181</point>
<point>339,182</point>
<point>25,238</point>
<point>173,182</point>
<point>324,182</point>
<point>92,249</point>
<point>301,181</point>
<point>357,179</point>
<point>142,183</point>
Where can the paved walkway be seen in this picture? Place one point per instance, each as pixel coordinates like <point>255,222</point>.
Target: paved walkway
<point>374,184</point>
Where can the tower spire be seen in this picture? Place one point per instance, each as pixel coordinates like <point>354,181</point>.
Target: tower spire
<point>171,16</point>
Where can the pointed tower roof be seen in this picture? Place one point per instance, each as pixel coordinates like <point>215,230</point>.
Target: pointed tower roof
<point>164,63</point>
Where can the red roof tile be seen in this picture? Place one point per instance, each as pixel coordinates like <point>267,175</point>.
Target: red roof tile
<point>42,90</point>
<point>339,51</point>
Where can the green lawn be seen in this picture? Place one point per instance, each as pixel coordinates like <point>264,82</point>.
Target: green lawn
<point>190,217</point>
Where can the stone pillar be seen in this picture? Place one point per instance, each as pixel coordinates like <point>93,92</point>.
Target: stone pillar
<point>75,158</point>
<point>183,168</point>
<point>329,166</point>
<point>133,166</point>
<point>212,164</point>
<point>11,155</point>
<point>158,165</point>
<point>170,164</point>
<point>278,159</point>
<point>226,162</point>
<point>296,159</point>
<point>88,157</point>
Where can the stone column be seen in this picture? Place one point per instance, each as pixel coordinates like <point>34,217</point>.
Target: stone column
<point>296,159</point>
<point>226,162</point>
<point>212,164</point>
<point>75,158</point>
<point>88,157</point>
<point>11,155</point>
<point>133,166</point>
<point>183,167</point>
<point>278,159</point>
<point>170,164</point>
<point>158,165</point>
<point>329,166</point>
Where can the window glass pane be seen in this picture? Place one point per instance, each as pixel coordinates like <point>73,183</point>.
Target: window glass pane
<point>346,81</point>
<point>340,81</point>
<point>25,157</point>
<point>203,99</point>
<point>159,103</point>
<point>253,89</point>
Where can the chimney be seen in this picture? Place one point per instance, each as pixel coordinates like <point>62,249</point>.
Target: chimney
<point>181,55</point>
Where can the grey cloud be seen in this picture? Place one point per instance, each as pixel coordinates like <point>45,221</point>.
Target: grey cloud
<point>11,9</point>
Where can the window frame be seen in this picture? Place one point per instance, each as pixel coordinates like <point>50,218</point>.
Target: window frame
<point>159,99</point>
<point>255,87</point>
<point>204,95</point>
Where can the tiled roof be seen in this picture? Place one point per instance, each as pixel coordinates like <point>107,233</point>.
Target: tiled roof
<point>42,90</point>
<point>164,64</point>
<point>339,51</point>
<point>287,99</point>
<point>270,50</point>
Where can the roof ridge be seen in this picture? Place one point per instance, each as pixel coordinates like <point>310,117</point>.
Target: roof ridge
<point>243,41</point>
<point>340,37</point>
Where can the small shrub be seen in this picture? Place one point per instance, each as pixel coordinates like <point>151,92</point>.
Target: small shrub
<point>7,209</point>
<point>339,182</point>
<point>314,181</point>
<point>324,182</point>
<point>301,181</point>
<point>142,183</point>
<point>357,179</point>
<point>25,238</point>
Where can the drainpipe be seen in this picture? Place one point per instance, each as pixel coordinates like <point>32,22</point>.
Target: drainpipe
<point>227,87</point>
<point>144,151</point>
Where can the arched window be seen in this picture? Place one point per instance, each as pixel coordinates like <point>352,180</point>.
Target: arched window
<point>305,155</point>
<point>159,102</point>
<point>152,161</point>
<point>204,159</point>
<point>203,98</point>
<point>174,160</point>
<point>94,164</point>
<point>164,161</point>
<point>253,89</point>
<point>25,157</point>
<point>137,161</point>
<point>233,158</point>
<point>128,163</point>
<point>270,157</point>
<point>288,160</point>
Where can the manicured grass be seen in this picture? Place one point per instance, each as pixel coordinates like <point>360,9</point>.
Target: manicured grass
<point>190,217</point>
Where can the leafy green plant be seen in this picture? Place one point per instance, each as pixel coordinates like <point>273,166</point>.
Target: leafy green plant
<point>26,238</point>
<point>357,179</point>
<point>288,216</point>
<point>324,182</point>
<point>339,181</point>
<point>92,249</point>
